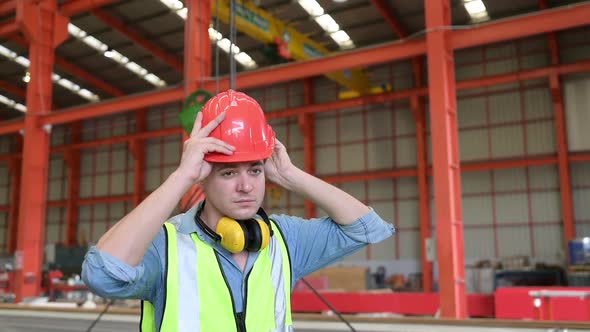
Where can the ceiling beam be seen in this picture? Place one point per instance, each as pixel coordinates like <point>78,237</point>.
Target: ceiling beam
<point>87,77</point>
<point>387,13</point>
<point>9,28</point>
<point>518,27</point>
<point>74,7</point>
<point>129,102</point>
<point>77,72</point>
<point>7,7</point>
<point>118,24</point>
<point>11,127</point>
<point>13,89</point>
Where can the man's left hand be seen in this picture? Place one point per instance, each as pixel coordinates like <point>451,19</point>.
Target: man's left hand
<point>279,168</point>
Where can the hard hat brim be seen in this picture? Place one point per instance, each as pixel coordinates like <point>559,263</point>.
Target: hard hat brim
<point>237,157</point>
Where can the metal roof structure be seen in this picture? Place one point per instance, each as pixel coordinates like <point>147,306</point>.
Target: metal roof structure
<point>146,31</point>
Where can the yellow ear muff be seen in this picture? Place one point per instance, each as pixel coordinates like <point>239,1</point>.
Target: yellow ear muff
<point>232,235</point>
<point>265,233</point>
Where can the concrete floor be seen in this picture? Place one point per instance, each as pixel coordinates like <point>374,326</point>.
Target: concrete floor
<point>47,321</point>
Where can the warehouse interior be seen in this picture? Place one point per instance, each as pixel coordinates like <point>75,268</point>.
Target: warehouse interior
<point>461,122</point>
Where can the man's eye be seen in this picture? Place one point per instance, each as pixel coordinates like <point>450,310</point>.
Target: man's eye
<point>227,173</point>
<point>256,171</point>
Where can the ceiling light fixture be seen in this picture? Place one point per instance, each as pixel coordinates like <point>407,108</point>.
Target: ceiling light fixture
<point>223,43</point>
<point>86,94</point>
<point>316,11</point>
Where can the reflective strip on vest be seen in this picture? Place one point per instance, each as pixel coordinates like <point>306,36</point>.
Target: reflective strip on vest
<point>209,306</point>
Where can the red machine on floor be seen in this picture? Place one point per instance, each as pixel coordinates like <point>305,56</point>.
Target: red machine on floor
<point>6,282</point>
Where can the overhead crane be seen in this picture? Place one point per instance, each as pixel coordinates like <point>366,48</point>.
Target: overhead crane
<point>291,44</point>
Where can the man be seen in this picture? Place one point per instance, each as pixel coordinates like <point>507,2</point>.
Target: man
<point>224,265</point>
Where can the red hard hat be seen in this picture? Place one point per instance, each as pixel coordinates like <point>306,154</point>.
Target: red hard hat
<point>244,127</point>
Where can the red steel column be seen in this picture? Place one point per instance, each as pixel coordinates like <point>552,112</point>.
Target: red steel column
<point>419,110</point>
<point>72,158</point>
<point>45,29</point>
<point>307,125</point>
<point>197,64</point>
<point>565,184</point>
<point>445,155</point>
<point>138,151</point>
<point>14,165</point>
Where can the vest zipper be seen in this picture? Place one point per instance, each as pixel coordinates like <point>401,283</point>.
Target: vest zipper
<point>241,319</point>
<point>246,298</point>
<point>240,322</point>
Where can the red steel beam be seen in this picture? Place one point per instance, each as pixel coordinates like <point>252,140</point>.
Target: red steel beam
<point>506,164</point>
<point>93,200</point>
<point>117,139</point>
<point>74,7</point>
<point>561,18</point>
<point>307,126</point>
<point>373,175</point>
<point>46,29</point>
<point>564,69</point>
<point>379,175</point>
<point>10,156</point>
<point>565,184</point>
<point>579,158</point>
<point>387,13</point>
<point>348,103</point>
<point>13,89</point>
<point>298,70</point>
<point>131,102</point>
<point>7,7</point>
<point>446,164</point>
<point>114,106</point>
<point>117,24</point>
<point>11,127</point>
<point>8,28</point>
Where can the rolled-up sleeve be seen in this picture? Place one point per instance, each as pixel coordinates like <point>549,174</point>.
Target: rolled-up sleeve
<point>316,243</point>
<point>369,228</point>
<point>109,277</point>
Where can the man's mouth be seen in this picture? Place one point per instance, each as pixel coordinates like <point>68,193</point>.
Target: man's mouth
<point>245,201</point>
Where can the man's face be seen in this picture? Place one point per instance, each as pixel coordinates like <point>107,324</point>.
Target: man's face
<point>236,189</point>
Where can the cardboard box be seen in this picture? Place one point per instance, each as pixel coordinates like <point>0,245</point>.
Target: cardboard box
<point>344,278</point>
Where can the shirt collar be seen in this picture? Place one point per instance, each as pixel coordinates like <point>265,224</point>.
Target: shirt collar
<point>189,226</point>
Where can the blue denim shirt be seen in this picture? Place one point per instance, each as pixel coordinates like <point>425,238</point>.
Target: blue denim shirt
<point>313,244</point>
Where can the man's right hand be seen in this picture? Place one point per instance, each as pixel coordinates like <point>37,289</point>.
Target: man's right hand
<point>192,163</point>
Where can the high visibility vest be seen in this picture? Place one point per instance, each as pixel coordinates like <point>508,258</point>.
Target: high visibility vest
<point>198,297</point>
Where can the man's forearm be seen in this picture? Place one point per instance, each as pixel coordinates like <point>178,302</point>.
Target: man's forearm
<point>129,238</point>
<point>340,206</point>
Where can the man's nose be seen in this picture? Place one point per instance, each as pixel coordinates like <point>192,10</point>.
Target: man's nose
<point>245,184</point>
